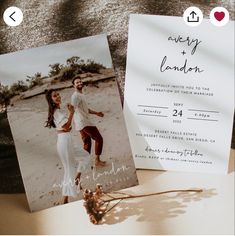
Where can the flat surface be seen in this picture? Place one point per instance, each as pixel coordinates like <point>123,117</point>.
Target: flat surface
<point>209,212</point>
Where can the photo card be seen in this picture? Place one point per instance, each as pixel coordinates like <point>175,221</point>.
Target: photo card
<point>65,114</point>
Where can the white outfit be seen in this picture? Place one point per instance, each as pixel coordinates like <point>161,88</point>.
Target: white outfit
<point>64,147</point>
<point>66,153</point>
<point>81,115</point>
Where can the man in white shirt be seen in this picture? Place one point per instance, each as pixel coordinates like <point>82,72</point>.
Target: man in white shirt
<point>82,123</point>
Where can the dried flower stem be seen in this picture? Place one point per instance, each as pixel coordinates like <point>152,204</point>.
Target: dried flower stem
<point>107,210</point>
<point>152,194</point>
<point>94,203</point>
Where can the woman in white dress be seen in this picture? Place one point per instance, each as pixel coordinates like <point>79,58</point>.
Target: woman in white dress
<point>62,122</point>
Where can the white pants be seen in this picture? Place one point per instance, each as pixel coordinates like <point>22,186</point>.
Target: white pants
<point>67,156</point>
<point>64,148</point>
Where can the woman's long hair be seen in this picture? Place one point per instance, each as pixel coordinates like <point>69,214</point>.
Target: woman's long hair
<point>51,109</point>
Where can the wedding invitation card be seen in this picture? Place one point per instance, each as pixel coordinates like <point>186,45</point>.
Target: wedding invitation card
<point>66,118</point>
<point>179,94</point>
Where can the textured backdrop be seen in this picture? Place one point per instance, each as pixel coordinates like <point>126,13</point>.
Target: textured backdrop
<point>53,21</point>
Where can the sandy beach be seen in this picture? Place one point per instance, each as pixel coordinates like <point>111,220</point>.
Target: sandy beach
<point>40,165</point>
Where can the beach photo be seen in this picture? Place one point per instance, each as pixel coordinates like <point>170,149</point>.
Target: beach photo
<point>64,109</point>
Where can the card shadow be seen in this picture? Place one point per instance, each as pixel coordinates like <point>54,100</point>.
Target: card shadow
<point>231,165</point>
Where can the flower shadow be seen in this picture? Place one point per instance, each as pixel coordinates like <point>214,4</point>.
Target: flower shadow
<point>154,209</point>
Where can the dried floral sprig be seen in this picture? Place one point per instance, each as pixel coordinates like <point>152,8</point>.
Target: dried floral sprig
<point>96,206</point>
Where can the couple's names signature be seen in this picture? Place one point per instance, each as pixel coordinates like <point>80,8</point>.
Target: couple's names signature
<point>182,68</point>
<point>113,171</point>
<point>97,175</point>
<point>188,41</point>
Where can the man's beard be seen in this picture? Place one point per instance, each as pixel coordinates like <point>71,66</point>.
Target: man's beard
<point>79,87</point>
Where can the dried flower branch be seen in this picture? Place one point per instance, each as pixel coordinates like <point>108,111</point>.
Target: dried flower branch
<point>152,194</point>
<point>96,206</point>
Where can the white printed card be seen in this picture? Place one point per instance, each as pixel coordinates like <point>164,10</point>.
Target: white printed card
<point>179,94</point>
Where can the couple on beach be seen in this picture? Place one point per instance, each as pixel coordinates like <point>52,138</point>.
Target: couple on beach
<point>78,112</point>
